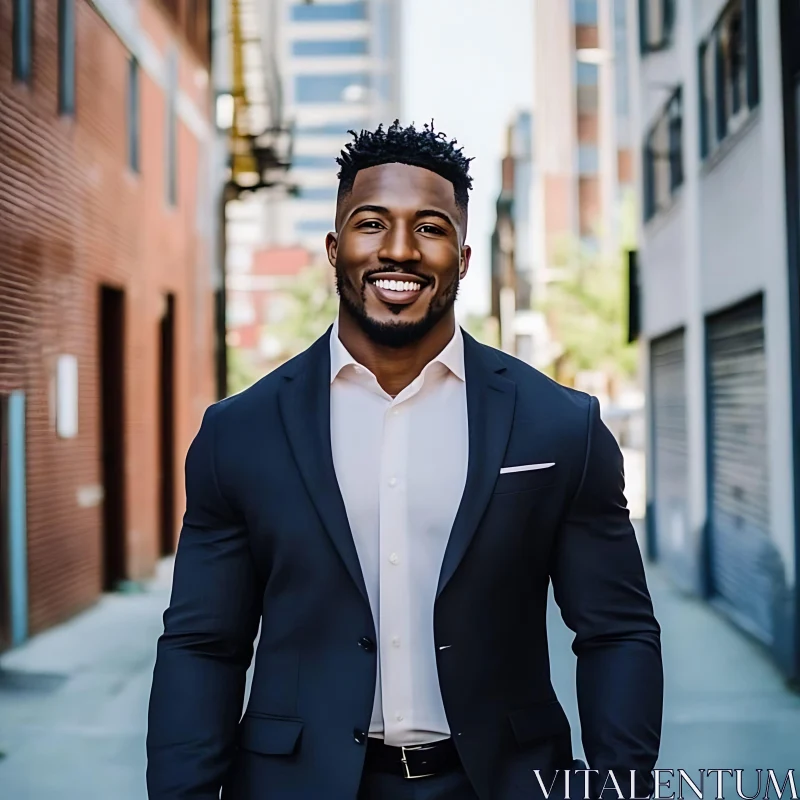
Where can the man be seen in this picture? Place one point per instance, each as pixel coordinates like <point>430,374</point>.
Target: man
<point>391,506</point>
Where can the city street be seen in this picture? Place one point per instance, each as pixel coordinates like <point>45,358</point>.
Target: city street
<point>73,701</point>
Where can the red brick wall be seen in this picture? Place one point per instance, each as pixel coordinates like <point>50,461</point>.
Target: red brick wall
<point>72,218</point>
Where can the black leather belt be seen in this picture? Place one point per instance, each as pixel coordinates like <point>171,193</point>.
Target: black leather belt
<point>419,761</point>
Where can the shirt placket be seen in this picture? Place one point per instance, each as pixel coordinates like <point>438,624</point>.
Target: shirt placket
<point>395,641</point>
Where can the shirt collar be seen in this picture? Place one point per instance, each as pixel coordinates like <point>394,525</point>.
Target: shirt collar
<point>451,357</point>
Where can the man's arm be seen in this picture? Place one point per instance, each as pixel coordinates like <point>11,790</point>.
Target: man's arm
<point>599,584</point>
<point>207,644</point>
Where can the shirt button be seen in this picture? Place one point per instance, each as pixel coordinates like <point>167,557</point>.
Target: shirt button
<point>396,412</point>
<point>396,641</point>
<point>394,558</point>
<point>399,717</point>
<point>392,482</point>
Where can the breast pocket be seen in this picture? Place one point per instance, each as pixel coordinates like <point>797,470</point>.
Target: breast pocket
<point>525,480</point>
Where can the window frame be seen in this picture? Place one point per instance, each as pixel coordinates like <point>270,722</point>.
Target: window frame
<point>22,39</point>
<point>133,127</point>
<point>728,80</point>
<point>172,131</point>
<point>67,78</point>
<point>668,16</point>
<point>669,126</point>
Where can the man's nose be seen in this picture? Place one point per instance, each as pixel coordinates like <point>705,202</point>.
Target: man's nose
<point>399,245</point>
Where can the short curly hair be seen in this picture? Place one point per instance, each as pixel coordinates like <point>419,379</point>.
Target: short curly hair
<point>425,148</point>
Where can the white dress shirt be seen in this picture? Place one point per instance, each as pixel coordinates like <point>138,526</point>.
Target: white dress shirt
<point>401,465</point>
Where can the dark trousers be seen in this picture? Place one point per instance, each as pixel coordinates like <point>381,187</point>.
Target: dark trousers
<point>447,786</point>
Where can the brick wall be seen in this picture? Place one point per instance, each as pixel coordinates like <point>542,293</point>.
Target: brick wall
<point>73,217</point>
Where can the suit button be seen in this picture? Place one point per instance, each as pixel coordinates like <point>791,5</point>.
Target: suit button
<point>366,643</point>
<point>359,736</point>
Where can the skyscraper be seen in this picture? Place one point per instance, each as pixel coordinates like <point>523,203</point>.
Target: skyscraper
<point>339,68</point>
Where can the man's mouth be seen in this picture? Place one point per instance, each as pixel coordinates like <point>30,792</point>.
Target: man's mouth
<point>397,288</point>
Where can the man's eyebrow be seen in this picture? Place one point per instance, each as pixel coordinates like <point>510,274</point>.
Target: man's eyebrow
<point>432,212</point>
<point>373,209</point>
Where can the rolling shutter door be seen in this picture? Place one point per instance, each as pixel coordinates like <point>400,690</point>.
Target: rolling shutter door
<point>742,565</point>
<point>670,457</point>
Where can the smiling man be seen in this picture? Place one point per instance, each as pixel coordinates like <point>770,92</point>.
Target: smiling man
<point>391,506</point>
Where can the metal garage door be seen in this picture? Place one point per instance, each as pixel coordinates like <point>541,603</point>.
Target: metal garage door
<point>670,457</point>
<point>742,558</point>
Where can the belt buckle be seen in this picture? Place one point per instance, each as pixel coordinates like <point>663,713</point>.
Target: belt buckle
<point>404,761</point>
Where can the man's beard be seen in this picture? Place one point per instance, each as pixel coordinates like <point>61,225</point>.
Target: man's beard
<point>395,334</point>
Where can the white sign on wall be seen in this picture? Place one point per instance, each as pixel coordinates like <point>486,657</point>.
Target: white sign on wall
<point>67,397</point>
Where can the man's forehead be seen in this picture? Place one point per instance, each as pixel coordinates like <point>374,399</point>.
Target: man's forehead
<point>401,184</point>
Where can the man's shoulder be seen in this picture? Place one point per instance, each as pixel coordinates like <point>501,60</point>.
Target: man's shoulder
<point>260,395</point>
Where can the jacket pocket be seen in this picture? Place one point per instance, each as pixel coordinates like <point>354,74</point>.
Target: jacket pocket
<point>275,736</point>
<point>541,721</point>
<point>512,482</point>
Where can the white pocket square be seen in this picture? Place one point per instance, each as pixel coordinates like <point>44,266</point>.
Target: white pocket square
<point>526,467</point>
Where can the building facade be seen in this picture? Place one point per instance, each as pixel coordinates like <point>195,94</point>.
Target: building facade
<point>717,310</point>
<point>106,292</point>
<point>585,147</point>
<point>339,62</point>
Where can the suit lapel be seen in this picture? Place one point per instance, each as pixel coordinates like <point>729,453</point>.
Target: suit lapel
<point>490,412</point>
<point>305,405</point>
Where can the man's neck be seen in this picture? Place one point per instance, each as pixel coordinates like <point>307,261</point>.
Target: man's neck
<point>395,367</point>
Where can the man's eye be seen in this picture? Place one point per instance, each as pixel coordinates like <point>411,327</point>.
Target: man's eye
<point>430,229</point>
<point>370,223</point>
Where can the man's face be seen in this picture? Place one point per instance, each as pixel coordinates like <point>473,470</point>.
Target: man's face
<point>398,252</point>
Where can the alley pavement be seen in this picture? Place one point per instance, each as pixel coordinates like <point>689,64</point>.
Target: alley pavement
<point>73,701</point>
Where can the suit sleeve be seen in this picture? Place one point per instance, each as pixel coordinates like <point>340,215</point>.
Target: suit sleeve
<point>207,644</point>
<point>599,584</point>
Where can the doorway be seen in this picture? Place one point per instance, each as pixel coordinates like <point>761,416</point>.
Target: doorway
<point>166,426</point>
<point>112,432</point>
<point>5,545</point>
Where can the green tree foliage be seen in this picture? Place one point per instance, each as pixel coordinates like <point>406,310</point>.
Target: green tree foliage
<point>311,306</point>
<point>587,313</point>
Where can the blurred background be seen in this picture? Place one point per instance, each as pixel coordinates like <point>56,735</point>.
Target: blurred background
<point>167,179</point>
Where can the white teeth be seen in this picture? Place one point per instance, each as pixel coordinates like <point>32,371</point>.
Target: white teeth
<point>398,286</point>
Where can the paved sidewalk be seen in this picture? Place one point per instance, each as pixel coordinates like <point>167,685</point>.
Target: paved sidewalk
<point>73,701</point>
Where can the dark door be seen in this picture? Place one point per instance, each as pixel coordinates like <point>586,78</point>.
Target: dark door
<point>790,58</point>
<point>166,426</point>
<point>112,422</point>
<point>5,546</point>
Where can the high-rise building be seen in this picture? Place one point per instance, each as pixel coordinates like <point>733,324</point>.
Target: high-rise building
<point>583,139</point>
<point>339,67</point>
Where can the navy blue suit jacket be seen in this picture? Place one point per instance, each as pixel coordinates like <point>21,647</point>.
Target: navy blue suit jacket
<point>265,538</point>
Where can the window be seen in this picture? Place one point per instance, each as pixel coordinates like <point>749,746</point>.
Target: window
<point>330,47</point>
<point>313,162</point>
<point>133,114</point>
<point>728,69</point>
<point>663,158</point>
<point>313,226</point>
<point>656,23</point>
<point>586,12</point>
<point>172,130</point>
<point>318,192</point>
<point>22,39</point>
<point>622,71</point>
<point>329,12</point>
<point>588,159</point>
<point>330,128</point>
<point>66,56</point>
<point>328,88</point>
<point>587,76</point>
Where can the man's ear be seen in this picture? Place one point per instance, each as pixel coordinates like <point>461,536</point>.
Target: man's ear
<point>463,261</point>
<point>332,247</point>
